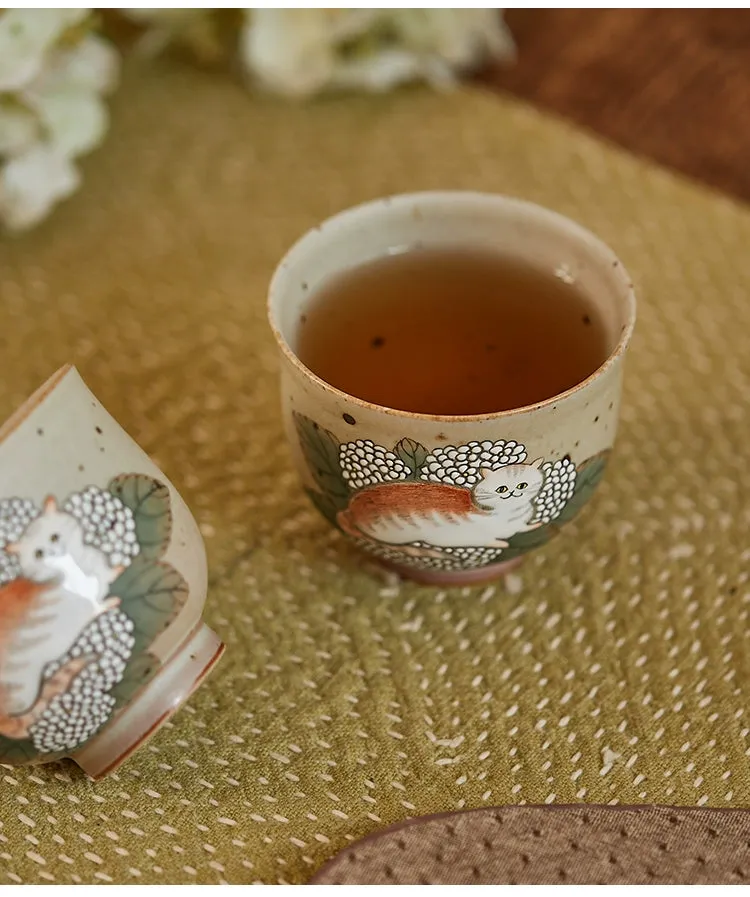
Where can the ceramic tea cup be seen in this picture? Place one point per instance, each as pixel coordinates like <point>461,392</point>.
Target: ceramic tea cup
<point>102,585</point>
<point>451,499</point>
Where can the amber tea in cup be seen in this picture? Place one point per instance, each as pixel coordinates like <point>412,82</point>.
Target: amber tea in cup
<point>451,331</point>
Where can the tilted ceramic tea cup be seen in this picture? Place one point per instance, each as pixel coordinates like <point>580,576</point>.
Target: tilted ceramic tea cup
<point>451,499</point>
<point>102,585</point>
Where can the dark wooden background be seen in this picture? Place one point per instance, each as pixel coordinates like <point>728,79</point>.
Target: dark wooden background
<point>673,85</point>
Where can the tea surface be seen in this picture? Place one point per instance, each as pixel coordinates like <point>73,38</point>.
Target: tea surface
<point>450,332</point>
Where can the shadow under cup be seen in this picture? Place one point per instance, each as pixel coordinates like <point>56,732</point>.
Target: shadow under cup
<point>450,499</point>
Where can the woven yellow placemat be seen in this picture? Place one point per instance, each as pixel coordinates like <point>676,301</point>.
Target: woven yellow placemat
<point>614,667</point>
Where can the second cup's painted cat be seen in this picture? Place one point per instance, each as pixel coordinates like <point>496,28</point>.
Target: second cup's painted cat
<point>63,586</point>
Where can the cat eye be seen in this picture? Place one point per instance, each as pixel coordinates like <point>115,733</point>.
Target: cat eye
<point>54,538</point>
<point>501,489</point>
<point>39,554</point>
<point>522,485</point>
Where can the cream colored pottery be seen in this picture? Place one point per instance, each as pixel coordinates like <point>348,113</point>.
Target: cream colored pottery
<point>450,499</point>
<point>102,585</point>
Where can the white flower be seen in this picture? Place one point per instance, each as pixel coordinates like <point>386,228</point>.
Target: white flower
<point>32,183</point>
<point>299,52</point>
<point>52,78</point>
<point>25,37</point>
<point>92,64</point>
<point>458,37</point>
<point>74,120</point>
<point>293,51</point>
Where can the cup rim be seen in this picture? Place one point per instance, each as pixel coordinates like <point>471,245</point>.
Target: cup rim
<point>342,218</point>
<point>37,398</point>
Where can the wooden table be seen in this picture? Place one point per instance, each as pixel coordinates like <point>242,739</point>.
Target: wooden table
<point>673,85</point>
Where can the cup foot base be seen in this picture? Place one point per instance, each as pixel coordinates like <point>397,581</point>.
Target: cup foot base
<point>457,577</point>
<point>151,708</point>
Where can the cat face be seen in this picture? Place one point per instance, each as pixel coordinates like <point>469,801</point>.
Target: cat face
<point>53,534</point>
<point>514,482</point>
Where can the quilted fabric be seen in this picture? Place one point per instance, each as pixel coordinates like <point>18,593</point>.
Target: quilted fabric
<point>613,667</point>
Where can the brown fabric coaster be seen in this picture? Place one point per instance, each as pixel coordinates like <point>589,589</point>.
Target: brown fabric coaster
<point>549,845</point>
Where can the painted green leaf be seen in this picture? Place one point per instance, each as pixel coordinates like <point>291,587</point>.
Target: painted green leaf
<point>588,477</point>
<point>148,499</point>
<point>138,672</point>
<point>325,505</point>
<point>321,451</point>
<point>412,453</point>
<point>17,752</point>
<point>523,542</point>
<point>151,594</point>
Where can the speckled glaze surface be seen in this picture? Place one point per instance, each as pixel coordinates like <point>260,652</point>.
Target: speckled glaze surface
<point>451,499</point>
<point>102,584</point>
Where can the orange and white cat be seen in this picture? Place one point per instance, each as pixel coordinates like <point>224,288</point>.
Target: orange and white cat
<point>63,586</point>
<point>501,504</point>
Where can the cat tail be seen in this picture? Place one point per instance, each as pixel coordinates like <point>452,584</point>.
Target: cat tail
<point>57,684</point>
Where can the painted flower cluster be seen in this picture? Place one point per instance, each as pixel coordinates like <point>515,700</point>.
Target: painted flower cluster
<point>559,486</point>
<point>430,558</point>
<point>15,515</point>
<point>364,464</point>
<point>107,523</point>
<point>461,465</point>
<point>73,717</point>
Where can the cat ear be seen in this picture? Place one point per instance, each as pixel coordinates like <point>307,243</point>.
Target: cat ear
<point>485,472</point>
<point>12,548</point>
<point>50,504</point>
<point>538,463</point>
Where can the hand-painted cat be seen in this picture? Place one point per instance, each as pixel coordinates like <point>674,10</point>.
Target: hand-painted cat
<point>499,506</point>
<point>63,586</point>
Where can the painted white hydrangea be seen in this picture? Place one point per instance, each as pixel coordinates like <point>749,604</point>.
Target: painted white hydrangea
<point>559,486</point>
<point>364,464</point>
<point>107,523</point>
<point>461,465</point>
<point>53,76</point>
<point>300,52</point>
<point>446,559</point>
<point>15,516</point>
<point>76,715</point>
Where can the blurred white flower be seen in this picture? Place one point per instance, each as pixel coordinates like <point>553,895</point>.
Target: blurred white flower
<point>299,52</point>
<point>89,65</point>
<point>32,183</point>
<point>53,74</point>
<point>25,37</point>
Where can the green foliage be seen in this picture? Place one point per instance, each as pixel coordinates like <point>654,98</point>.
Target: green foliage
<point>138,672</point>
<point>15,752</point>
<point>413,454</point>
<point>326,505</point>
<point>321,451</point>
<point>151,594</point>
<point>148,499</point>
<point>588,477</point>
